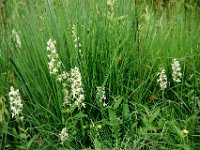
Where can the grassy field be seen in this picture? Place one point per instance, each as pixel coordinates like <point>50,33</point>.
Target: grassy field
<point>99,75</point>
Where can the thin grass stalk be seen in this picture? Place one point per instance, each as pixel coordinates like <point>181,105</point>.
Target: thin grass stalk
<point>139,50</point>
<point>5,24</point>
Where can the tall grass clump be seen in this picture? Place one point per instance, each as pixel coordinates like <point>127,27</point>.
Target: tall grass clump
<point>110,74</point>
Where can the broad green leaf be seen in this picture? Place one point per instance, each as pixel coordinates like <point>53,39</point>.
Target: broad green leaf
<point>126,111</point>
<point>117,102</point>
<point>30,142</point>
<point>190,93</point>
<point>154,115</point>
<point>112,114</point>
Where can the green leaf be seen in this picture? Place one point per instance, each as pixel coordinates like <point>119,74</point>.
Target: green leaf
<point>22,129</point>
<point>190,93</point>
<point>97,144</point>
<point>31,141</point>
<point>145,121</point>
<point>80,115</point>
<point>112,114</point>
<point>22,147</point>
<point>134,125</point>
<point>146,110</point>
<point>187,84</point>
<point>117,102</point>
<point>14,131</point>
<point>72,108</point>
<point>23,136</point>
<point>177,130</point>
<point>126,111</point>
<point>154,115</point>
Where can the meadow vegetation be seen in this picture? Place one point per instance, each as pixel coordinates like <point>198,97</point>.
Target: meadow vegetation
<point>107,74</point>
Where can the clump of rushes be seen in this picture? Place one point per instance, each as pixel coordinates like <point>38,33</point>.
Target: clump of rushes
<point>176,71</point>
<point>16,38</point>
<point>76,39</point>
<point>54,63</point>
<point>16,105</point>
<point>77,87</point>
<point>63,135</point>
<point>101,95</point>
<point>162,79</point>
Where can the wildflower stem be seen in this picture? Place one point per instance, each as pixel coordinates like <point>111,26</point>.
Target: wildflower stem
<point>137,35</point>
<point>163,95</point>
<point>22,132</point>
<point>83,130</point>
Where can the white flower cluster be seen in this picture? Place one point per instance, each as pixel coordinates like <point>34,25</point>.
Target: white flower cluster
<point>17,38</point>
<point>176,71</point>
<point>162,80</point>
<point>55,67</point>
<point>16,105</point>
<point>63,135</point>
<point>76,40</point>
<point>74,77</point>
<point>101,95</point>
<point>55,63</point>
<point>76,87</point>
<point>64,79</point>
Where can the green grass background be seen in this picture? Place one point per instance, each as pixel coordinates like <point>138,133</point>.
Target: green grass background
<point>123,53</point>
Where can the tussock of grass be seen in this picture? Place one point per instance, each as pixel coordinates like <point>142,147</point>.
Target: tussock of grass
<point>119,48</point>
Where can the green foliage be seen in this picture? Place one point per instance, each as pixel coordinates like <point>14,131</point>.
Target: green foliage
<point>123,47</point>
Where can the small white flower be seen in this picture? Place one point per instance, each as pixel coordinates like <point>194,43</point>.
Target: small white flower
<point>51,45</point>
<point>16,105</point>
<point>17,38</point>
<point>54,71</point>
<point>162,80</point>
<point>63,135</point>
<point>63,77</point>
<point>177,75</point>
<point>83,105</point>
<point>104,104</point>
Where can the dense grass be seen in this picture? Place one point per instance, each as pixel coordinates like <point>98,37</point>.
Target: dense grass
<point>122,53</point>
